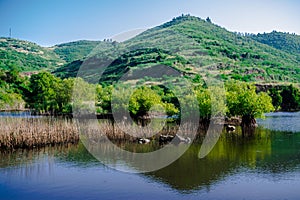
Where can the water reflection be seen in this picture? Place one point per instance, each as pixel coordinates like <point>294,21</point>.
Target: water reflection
<point>268,152</point>
<point>267,163</point>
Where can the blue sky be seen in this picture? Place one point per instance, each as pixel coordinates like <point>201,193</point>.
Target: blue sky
<point>49,22</point>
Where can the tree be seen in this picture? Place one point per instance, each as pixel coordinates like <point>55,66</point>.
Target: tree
<point>43,92</point>
<point>64,91</point>
<point>103,98</point>
<point>276,98</point>
<point>242,100</point>
<point>142,100</point>
<point>83,97</point>
<point>208,20</point>
<point>290,98</point>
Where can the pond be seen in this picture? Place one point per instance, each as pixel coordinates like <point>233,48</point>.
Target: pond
<point>266,166</point>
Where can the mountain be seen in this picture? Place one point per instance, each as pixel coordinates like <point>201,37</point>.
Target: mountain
<point>77,50</point>
<point>27,56</point>
<point>195,47</point>
<point>287,42</point>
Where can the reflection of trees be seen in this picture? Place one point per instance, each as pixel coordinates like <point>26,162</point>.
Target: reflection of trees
<point>270,152</point>
<point>37,162</point>
<point>25,162</point>
<point>266,151</point>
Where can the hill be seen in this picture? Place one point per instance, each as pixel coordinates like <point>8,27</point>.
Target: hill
<point>77,50</point>
<point>27,56</point>
<point>195,47</point>
<point>287,42</point>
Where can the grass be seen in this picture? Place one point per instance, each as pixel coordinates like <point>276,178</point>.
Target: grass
<point>36,132</point>
<point>27,133</point>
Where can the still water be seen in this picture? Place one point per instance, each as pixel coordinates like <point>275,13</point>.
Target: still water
<point>266,166</point>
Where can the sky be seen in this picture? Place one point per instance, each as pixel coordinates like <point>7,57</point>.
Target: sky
<point>50,22</point>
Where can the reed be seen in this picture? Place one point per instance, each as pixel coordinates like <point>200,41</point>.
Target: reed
<point>36,132</point>
<point>97,131</point>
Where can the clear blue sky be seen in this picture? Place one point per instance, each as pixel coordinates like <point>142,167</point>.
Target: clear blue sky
<point>49,22</point>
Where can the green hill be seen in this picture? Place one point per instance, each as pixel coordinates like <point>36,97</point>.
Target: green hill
<point>287,42</point>
<point>77,50</point>
<point>26,55</point>
<point>194,47</point>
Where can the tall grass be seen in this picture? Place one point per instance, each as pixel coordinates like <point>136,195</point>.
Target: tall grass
<point>36,132</point>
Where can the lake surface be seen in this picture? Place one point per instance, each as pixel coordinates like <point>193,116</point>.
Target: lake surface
<point>18,114</point>
<point>266,166</point>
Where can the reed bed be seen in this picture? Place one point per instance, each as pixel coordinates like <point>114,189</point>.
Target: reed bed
<point>36,132</point>
<point>98,131</point>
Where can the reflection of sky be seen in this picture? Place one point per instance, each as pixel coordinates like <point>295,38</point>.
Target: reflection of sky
<point>50,178</point>
<point>281,121</point>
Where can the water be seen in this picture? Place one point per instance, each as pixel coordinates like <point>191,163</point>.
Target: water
<point>18,114</point>
<point>282,121</point>
<point>266,166</point>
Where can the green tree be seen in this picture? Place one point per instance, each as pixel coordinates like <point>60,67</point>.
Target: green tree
<point>276,98</point>
<point>83,97</point>
<point>64,92</point>
<point>208,20</point>
<point>142,100</point>
<point>290,98</point>
<point>103,98</point>
<point>42,95</point>
<point>242,100</point>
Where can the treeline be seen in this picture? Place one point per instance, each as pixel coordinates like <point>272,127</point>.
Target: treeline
<point>12,89</point>
<point>285,98</point>
<point>44,93</point>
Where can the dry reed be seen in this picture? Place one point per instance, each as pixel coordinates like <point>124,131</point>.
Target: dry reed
<point>36,132</point>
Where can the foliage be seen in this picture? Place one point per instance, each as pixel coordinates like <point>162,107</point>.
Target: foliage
<point>290,98</point>
<point>77,50</point>
<point>283,41</point>
<point>26,55</point>
<point>12,87</point>
<point>142,100</point>
<point>103,98</point>
<point>242,100</point>
<point>194,46</point>
<point>48,94</point>
<point>276,98</point>
<point>211,101</point>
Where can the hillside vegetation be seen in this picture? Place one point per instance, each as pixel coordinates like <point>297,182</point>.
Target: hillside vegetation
<point>195,47</point>
<point>203,49</point>
<point>28,56</point>
<point>287,42</point>
<point>77,50</point>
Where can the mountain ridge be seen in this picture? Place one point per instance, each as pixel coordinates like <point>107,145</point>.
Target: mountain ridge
<point>206,45</point>
<point>200,43</point>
